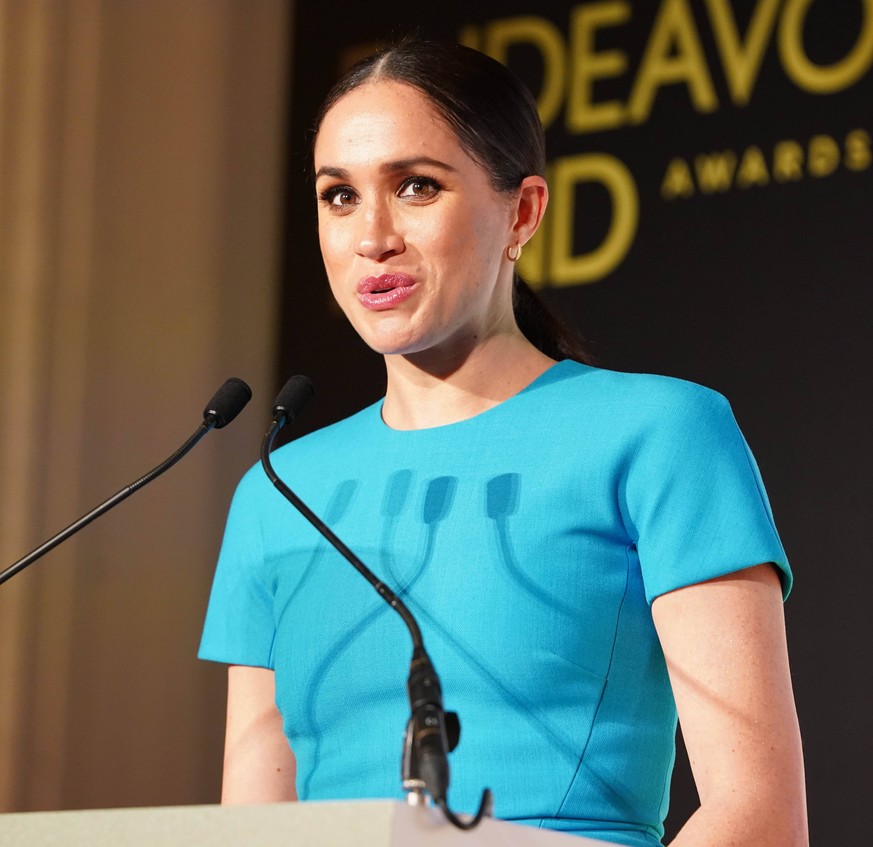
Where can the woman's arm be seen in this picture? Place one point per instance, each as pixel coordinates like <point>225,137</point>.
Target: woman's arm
<point>258,763</point>
<point>724,641</point>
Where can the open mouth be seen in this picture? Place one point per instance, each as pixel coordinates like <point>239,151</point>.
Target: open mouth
<point>385,291</point>
<point>384,283</point>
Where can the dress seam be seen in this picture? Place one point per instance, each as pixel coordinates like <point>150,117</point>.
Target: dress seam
<point>602,690</point>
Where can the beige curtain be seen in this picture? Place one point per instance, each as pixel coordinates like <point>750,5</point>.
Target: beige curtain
<point>140,200</point>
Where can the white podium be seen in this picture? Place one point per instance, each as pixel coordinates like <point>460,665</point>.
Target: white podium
<point>315,824</point>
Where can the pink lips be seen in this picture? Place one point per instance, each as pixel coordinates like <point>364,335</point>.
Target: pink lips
<point>385,291</point>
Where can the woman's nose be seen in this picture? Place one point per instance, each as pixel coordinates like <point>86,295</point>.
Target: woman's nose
<point>379,237</point>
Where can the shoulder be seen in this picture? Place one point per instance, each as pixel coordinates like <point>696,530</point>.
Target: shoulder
<point>635,399</point>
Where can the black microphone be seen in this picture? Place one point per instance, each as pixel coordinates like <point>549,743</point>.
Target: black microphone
<point>292,399</point>
<point>227,402</point>
<point>289,403</point>
<point>224,406</point>
<point>430,732</point>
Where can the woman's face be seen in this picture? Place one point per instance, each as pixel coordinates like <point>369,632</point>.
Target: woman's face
<point>412,234</point>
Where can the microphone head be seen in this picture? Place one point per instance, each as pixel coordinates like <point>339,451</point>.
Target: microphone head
<point>227,402</point>
<point>293,397</point>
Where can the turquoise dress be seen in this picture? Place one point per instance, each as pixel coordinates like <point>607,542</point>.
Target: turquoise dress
<point>530,542</point>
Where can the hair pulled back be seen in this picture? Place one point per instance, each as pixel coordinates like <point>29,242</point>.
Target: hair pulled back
<point>494,117</point>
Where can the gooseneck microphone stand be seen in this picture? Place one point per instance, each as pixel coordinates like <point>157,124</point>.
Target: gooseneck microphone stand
<point>431,733</point>
<point>224,406</point>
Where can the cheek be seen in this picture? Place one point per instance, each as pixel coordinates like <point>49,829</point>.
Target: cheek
<point>333,252</point>
<point>332,261</point>
<point>478,237</point>
<point>448,242</point>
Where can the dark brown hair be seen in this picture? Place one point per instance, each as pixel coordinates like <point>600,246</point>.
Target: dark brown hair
<point>494,116</point>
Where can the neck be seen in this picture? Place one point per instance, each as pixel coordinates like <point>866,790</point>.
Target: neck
<point>433,389</point>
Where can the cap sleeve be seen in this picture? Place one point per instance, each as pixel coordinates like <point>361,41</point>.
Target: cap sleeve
<point>696,504</point>
<point>239,626</point>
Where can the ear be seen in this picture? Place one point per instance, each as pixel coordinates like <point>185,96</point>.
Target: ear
<point>530,206</point>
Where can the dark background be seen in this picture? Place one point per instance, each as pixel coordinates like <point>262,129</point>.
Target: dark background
<point>762,293</point>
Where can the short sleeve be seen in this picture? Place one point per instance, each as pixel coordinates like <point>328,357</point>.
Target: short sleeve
<point>694,495</point>
<point>239,627</point>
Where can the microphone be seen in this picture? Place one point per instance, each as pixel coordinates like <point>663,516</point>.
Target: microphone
<point>292,399</point>
<point>431,733</point>
<point>224,406</point>
<point>227,402</point>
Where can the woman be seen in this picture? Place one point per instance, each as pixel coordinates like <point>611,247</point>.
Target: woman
<point>587,552</point>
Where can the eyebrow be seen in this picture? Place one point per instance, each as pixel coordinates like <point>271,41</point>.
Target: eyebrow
<point>390,167</point>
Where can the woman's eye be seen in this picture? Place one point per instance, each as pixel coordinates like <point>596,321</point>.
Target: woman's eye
<point>419,187</point>
<point>340,197</point>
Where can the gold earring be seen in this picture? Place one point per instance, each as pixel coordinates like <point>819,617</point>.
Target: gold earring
<point>513,252</point>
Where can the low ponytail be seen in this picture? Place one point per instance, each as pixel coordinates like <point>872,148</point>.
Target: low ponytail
<point>539,325</point>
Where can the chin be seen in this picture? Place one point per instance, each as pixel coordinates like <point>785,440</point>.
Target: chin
<point>393,349</point>
<point>390,343</point>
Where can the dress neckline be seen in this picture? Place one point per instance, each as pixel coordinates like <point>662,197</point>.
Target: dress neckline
<point>550,374</point>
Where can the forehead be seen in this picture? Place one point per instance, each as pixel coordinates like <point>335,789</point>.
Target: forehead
<point>383,120</point>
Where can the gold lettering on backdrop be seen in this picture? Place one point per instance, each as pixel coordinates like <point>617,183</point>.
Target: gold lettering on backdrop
<point>469,36</point>
<point>818,79</point>
<point>824,156</point>
<point>589,65</point>
<point>677,181</point>
<point>858,152</point>
<point>717,173</point>
<point>753,169</point>
<point>564,266</point>
<point>788,161</point>
<point>742,60</point>
<point>549,40</point>
<point>673,54</point>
